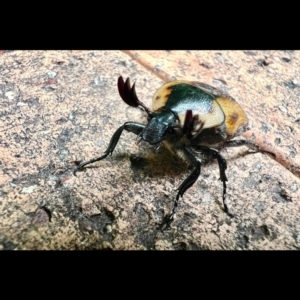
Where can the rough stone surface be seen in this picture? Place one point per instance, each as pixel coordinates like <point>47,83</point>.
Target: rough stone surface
<point>61,107</point>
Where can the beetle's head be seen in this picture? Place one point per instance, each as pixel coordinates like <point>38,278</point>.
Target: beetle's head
<point>158,126</point>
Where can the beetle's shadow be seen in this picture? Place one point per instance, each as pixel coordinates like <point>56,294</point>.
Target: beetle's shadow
<point>161,163</point>
<point>158,164</point>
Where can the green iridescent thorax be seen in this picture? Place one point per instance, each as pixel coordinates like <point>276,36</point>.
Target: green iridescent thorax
<point>184,97</point>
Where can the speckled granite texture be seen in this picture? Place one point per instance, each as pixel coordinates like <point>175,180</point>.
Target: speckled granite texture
<point>60,107</point>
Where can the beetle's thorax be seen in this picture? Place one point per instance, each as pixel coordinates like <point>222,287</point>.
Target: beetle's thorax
<point>158,125</point>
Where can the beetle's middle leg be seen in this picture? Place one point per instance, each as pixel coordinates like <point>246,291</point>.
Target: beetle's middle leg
<point>249,144</point>
<point>133,127</point>
<point>222,166</point>
<point>191,157</point>
<point>215,154</point>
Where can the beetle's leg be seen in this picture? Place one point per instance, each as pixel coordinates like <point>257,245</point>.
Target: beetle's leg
<point>222,166</point>
<point>214,153</point>
<point>251,145</point>
<point>192,157</point>
<point>133,127</point>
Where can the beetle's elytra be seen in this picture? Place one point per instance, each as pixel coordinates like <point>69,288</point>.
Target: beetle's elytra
<point>192,119</point>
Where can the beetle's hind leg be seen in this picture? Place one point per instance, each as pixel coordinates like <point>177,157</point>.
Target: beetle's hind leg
<point>249,144</point>
<point>192,157</point>
<point>215,154</point>
<point>222,166</point>
<point>133,127</point>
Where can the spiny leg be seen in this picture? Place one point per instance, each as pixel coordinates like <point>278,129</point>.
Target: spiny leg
<point>133,127</point>
<point>214,153</point>
<point>249,144</point>
<point>186,184</point>
<point>222,166</point>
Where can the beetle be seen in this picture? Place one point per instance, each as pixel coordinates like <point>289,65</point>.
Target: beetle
<point>192,119</point>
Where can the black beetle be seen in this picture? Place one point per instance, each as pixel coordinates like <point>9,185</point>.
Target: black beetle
<point>192,119</point>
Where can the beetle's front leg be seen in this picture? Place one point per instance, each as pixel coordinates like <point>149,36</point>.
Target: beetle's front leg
<point>133,127</point>
<point>192,157</point>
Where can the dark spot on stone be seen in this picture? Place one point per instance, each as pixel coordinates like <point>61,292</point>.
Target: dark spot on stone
<point>122,63</point>
<point>85,225</point>
<point>265,127</point>
<point>99,223</point>
<point>7,245</point>
<point>146,238</point>
<point>61,120</point>
<point>246,238</point>
<point>293,151</point>
<point>290,84</point>
<point>33,102</point>
<point>47,211</point>
<point>285,195</point>
<point>263,62</point>
<point>65,136</point>
<point>106,249</point>
<point>55,62</point>
<point>260,207</point>
<point>286,59</point>
<point>141,212</point>
<point>48,88</point>
<point>52,81</point>
<point>205,65</point>
<point>242,241</point>
<point>228,221</point>
<point>260,233</point>
<point>181,246</point>
<point>251,53</point>
<point>280,195</point>
<point>253,180</point>
<point>185,221</point>
<point>277,141</point>
<point>41,217</point>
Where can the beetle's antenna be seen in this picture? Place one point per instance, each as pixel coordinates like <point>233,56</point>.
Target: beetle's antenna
<point>128,94</point>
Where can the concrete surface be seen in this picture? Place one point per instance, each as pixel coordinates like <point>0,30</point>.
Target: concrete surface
<point>60,107</point>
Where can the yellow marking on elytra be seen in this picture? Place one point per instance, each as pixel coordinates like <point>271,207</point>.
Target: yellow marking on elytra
<point>234,114</point>
<point>160,97</point>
